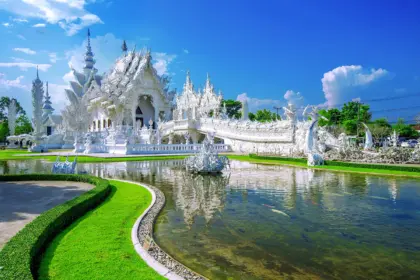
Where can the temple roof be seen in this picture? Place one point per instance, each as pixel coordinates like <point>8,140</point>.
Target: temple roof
<point>127,72</point>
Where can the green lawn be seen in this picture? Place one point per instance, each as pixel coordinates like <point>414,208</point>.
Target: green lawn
<point>327,167</point>
<point>25,155</point>
<point>98,245</point>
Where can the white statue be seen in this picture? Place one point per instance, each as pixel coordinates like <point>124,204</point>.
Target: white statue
<point>11,116</point>
<point>369,140</point>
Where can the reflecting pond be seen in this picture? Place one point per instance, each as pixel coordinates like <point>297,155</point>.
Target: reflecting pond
<point>278,222</point>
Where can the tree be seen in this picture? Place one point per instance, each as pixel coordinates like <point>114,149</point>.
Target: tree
<point>233,108</point>
<point>4,130</point>
<point>380,128</point>
<point>23,125</point>
<point>356,111</point>
<point>405,130</point>
<point>4,105</point>
<point>263,116</point>
<point>333,116</point>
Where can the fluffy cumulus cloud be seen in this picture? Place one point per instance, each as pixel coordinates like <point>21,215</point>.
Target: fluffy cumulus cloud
<point>25,65</point>
<point>162,61</point>
<point>294,98</point>
<point>344,83</point>
<point>25,50</point>
<point>6,24</point>
<point>16,83</point>
<point>70,15</point>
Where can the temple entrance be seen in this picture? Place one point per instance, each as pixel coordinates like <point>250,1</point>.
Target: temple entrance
<point>144,111</point>
<point>49,130</point>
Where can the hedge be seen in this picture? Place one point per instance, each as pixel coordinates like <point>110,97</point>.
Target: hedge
<point>19,258</point>
<point>345,164</point>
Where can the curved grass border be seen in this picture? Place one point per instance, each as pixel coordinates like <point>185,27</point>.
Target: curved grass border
<point>19,258</point>
<point>144,227</point>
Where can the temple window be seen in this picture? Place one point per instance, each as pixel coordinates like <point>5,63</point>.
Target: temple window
<point>109,123</point>
<point>94,125</point>
<point>104,123</point>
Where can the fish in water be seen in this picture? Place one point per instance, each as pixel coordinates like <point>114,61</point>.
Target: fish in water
<point>280,212</point>
<point>269,206</point>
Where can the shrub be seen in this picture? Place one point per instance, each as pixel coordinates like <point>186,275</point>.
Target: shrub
<point>405,168</point>
<point>20,257</point>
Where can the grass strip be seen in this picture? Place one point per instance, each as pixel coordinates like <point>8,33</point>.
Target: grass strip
<point>24,155</point>
<point>374,169</point>
<point>19,258</point>
<point>98,246</point>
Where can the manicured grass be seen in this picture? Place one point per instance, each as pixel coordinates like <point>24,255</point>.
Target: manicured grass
<point>374,171</point>
<point>25,155</point>
<point>98,246</point>
<point>19,258</point>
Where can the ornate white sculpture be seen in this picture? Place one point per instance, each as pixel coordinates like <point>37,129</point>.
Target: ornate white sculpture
<point>314,158</point>
<point>66,167</point>
<point>368,140</point>
<point>207,160</point>
<point>11,116</point>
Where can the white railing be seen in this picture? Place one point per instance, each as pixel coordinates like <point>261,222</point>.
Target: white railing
<point>171,148</point>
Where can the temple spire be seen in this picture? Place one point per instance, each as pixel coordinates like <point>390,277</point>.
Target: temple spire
<point>37,74</point>
<point>89,61</point>
<point>47,109</point>
<point>124,47</point>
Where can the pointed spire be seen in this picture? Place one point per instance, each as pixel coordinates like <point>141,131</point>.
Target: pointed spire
<point>124,47</point>
<point>37,74</point>
<point>89,61</point>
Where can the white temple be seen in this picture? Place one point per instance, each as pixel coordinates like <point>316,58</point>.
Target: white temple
<point>131,110</point>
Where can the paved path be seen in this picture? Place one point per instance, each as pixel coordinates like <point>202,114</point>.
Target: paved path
<point>21,202</point>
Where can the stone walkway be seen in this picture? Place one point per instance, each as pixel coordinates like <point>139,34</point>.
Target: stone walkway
<point>21,202</point>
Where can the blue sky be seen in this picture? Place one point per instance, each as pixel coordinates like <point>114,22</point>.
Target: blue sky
<point>309,52</point>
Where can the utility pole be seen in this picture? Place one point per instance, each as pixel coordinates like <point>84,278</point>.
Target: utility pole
<point>358,117</point>
<point>277,111</point>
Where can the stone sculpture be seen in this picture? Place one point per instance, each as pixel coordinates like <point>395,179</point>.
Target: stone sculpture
<point>207,160</point>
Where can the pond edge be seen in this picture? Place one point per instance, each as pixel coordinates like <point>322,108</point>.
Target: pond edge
<point>172,269</point>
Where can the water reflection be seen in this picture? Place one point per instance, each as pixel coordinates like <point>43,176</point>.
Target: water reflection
<point>274,222</point>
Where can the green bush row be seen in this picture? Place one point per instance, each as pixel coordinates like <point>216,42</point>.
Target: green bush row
<point>20,257</point>
<point>406,168</point>
<point>345,164</point>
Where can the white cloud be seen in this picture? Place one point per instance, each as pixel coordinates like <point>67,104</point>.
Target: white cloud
<point>53,57</point>
<point>186,51</point>
<point>68,14</point>
<point>25,50</point>
<point>6,24</point>
<point>162,61</point>
<point>20,20</point>
<point>68,77</point>
<point>21,37</point>
<point>294,98</point>
<point>38,25</point>
<point>16,83</point>
<point>18,59</point>
<point>25,65</point>
<point>340,83</point>
<point>255,104</point>
<point>58,96</point>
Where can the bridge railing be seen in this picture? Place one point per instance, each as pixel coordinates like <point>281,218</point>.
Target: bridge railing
<point>171,148</point>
